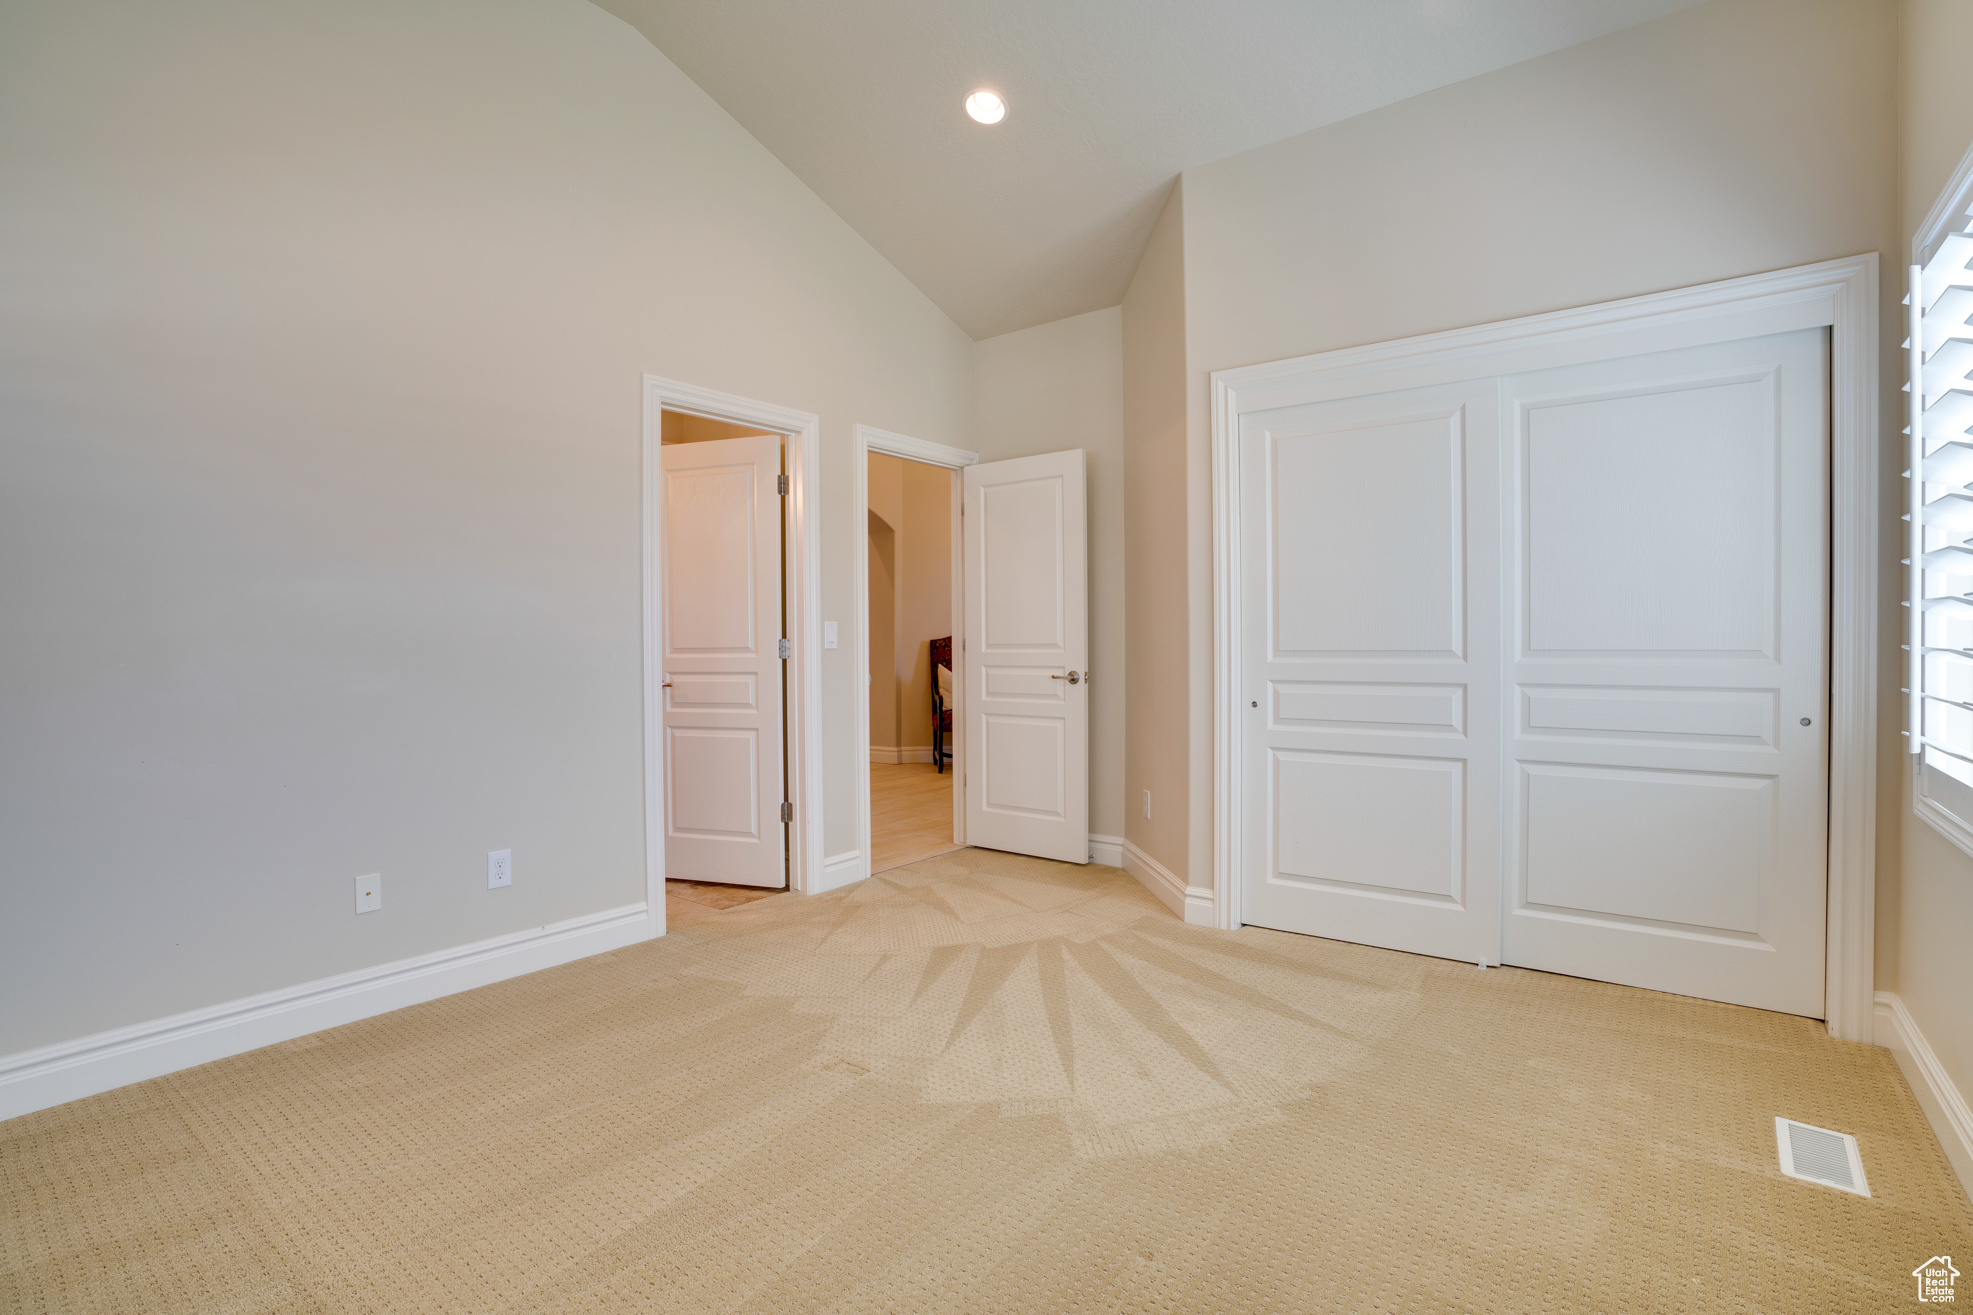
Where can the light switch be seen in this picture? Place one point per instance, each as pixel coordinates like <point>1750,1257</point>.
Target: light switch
<point>828,634</point>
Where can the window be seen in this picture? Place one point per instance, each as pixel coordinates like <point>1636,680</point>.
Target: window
<point>1939,560</point>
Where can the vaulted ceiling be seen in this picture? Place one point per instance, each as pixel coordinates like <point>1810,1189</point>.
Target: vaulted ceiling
<point>1045,214</point>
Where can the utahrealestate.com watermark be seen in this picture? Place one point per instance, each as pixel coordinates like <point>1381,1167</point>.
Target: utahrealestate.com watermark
<point>1935,1278</point>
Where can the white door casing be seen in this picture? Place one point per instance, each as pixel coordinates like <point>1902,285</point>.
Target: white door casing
<point>1372,665</point>
<point>865,440</point>
<point>1838,296</point>
<point>720,637</point>
<point>1026,704</point>
<point>1668,714</point>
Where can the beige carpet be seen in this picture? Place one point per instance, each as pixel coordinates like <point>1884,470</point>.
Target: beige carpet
<point>986,1083</point>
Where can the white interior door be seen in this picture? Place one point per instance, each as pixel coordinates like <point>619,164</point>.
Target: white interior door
<point>723,734</point>
<point>1535,669</point>
<point>1026,704</point>
<point>1669,693</point>
<point>1370,620</point>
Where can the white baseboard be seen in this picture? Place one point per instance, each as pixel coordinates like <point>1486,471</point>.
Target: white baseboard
<point>1938,1095</point>
<point>911,753</point>
<point>1192,904</point>
<point>68,1070</point>
<point>842,870</point>
<point>1107,850</point>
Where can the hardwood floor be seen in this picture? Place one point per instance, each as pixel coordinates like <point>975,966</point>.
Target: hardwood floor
<point>693,901</point>
<point>910,819</point>
<point>910,813</point>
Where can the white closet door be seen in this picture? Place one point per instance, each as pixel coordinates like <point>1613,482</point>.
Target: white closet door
<point>1370,624</point>
<point>723,730</point>
<point>1027,656</point>
<point>1668,782</point>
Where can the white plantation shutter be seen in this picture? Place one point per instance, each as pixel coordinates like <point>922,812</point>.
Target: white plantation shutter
<point>1940,529</point>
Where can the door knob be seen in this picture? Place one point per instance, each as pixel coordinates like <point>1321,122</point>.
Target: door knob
<point>1072,678</point>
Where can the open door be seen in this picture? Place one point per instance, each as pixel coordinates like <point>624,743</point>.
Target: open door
<point>723,735</point>
<point>1026,776</point>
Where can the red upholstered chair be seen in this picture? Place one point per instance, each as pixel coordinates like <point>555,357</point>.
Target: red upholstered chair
<point>941,714</point>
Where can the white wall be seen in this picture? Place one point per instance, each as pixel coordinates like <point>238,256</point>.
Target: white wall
<point>1155,500</point>
<point>1734,137</point>
<point>924,595</point>
<point>319,535</point>
<point>1925,928</point>
<point>886,501</point>
<point>1046,389</point>
<point>883,636</point>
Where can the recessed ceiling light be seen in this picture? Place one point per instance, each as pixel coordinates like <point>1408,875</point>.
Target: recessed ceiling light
<point>986,107</point>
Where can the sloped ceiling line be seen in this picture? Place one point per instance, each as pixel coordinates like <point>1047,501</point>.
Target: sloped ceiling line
<point>1044,215</point>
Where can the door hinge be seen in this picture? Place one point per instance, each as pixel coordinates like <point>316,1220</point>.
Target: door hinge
<point>787,811</point>
<point>787,648</point>
<point>781,484</point>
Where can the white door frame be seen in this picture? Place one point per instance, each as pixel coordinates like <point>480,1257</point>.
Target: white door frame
<point>868,440</point>
<point>1838,294</point>
<point>802,576</point>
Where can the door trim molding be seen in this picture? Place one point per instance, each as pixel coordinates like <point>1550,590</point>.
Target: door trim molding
<point>1838,294</point>
<point>802,573</point>
<point>915,449</point>
<point>868,439</point>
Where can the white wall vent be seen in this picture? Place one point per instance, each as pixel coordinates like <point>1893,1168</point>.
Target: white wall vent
<point>1817,1155</point>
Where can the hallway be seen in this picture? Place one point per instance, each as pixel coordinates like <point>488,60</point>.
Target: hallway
<point>910,813</point>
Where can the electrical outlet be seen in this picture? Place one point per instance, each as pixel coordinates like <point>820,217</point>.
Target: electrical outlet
<point>370,893</point>
<point>499,869</point>
<point>1147,803</point>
